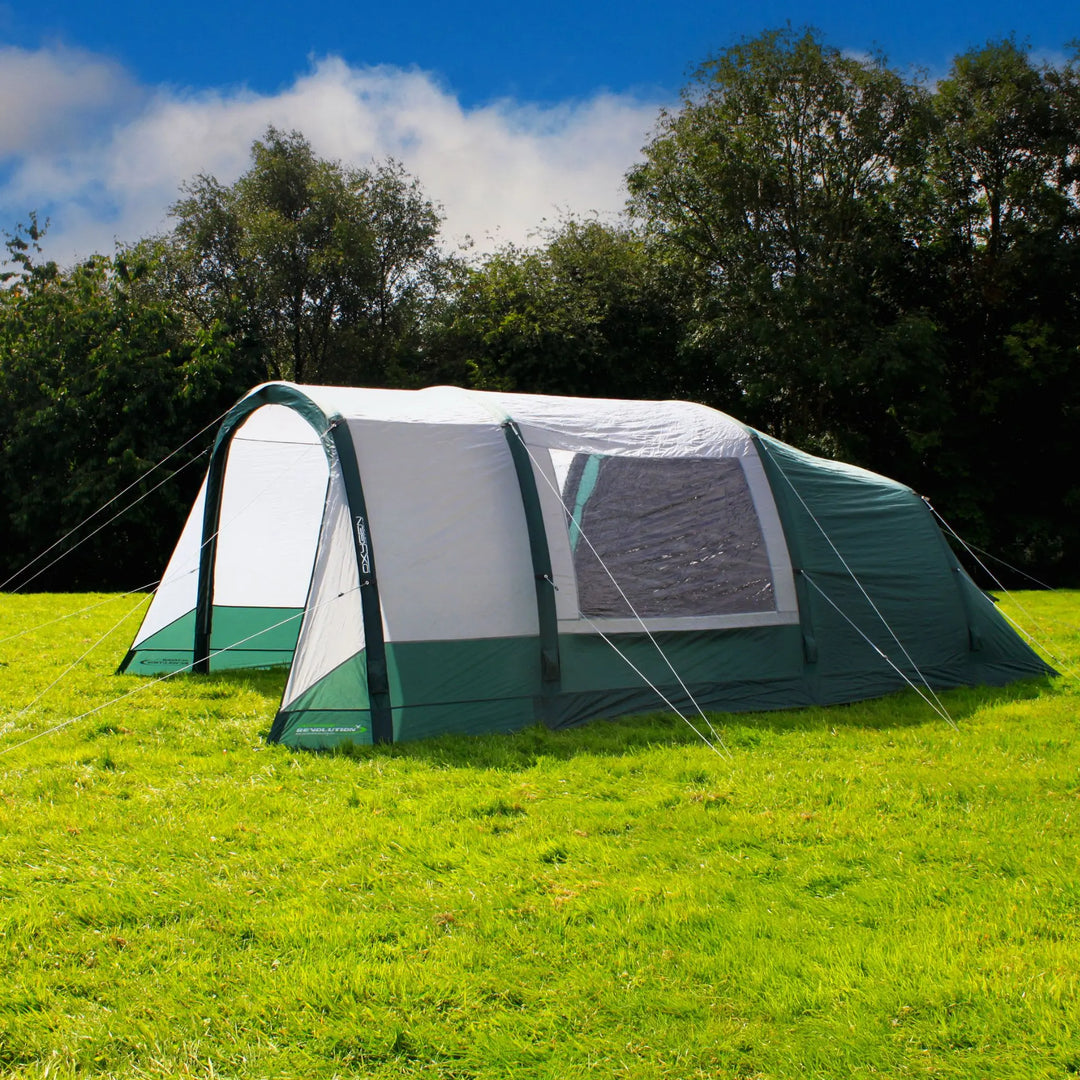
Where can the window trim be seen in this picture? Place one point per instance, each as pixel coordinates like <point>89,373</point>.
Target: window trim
<point>570,619</point>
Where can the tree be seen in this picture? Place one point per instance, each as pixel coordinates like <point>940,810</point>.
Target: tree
<point>1001,265</point>
<point>890,274</point>
<point>322,270</point>
<point>1002,152</point>
<point>592,311</point>
<point>96,387</point>
<point>778,179</point>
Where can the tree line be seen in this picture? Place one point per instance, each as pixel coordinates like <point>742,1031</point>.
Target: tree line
<point>869,266</point>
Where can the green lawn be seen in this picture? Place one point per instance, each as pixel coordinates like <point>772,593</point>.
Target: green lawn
<point>857,891</point>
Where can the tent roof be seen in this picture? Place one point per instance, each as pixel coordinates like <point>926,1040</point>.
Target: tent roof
<point>584,425</point>
<point>592,425</point>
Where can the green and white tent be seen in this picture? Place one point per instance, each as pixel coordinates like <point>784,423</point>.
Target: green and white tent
<point>447,560</point>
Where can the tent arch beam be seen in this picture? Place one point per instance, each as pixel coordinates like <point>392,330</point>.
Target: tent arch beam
<point>333,432</point>
<point>548,623</point>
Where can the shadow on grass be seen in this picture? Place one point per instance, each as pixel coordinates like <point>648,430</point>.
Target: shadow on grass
<point>738,731</point>
<point>269,681</point>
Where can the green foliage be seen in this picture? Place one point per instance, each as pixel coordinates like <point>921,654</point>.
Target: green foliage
<point>782,152</point>
<point>593,311</point>
<point>1001,265</point>
<point>1003,147</point>
<point>302,269</point>
<point>321,270</point>
<point>889,274</point>
<point>97,385</point>
<point>776,179</point>
<point>857,890</point>
<point>859,263</point>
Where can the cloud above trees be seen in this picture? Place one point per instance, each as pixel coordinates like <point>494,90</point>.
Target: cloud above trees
<point>103,157</point>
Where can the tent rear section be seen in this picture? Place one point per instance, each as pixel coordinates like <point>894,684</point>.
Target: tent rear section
<point>453,561</point>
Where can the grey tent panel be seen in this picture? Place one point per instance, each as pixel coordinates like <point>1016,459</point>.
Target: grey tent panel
<point>679,535</point>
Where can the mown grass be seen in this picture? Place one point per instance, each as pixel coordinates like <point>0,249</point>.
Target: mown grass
<point>858,891</point>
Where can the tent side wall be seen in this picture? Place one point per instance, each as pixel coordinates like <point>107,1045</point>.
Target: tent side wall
<point>901,588</point>
<point>264,537</point>
<point>457,588</point>
<point>874,576</point>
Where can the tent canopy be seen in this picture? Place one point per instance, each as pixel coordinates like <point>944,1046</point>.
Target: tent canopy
<point>450,560</point>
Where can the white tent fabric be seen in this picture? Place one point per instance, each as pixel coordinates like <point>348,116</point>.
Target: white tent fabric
<point>446,522</point>
<point>333,626</point>
<point>275,488</point>
<point>445,509</point>
<point>404,437</point>
<point>175,595</point>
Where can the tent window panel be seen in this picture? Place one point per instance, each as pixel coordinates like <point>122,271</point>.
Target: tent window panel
<point>679,535</point>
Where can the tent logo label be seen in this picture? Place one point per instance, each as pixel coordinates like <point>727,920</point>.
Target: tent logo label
<point>362,546</point>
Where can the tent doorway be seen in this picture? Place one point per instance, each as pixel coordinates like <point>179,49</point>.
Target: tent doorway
<point>249,564</point>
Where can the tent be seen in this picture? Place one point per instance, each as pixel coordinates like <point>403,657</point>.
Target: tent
<point>448,560</point>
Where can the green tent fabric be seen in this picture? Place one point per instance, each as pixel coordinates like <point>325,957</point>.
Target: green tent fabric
<point>455,561</point>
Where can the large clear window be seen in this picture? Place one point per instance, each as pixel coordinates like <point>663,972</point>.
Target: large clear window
<point>680,536</point>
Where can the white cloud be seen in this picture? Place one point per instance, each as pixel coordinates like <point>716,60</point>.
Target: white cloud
<point>104,160</point>
<point>51,95</point>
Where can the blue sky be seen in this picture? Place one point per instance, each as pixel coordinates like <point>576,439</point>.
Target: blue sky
<point>482,50</point>
<point>510,115</point>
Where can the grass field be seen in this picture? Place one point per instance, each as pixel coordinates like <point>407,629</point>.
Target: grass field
<point>857,891</point>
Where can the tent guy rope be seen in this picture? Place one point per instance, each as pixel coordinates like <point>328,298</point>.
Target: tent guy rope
<point>851,573</point>
<point>935,704</point>
<point>104,525</point>
<point>101,509</point>
<point>74,663</point>
<point>168,580</point>
<point>723,751</point>
<point>633,610</point>
<point>990,574</point>
<point>168,675</point>
<point>81,611</point>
